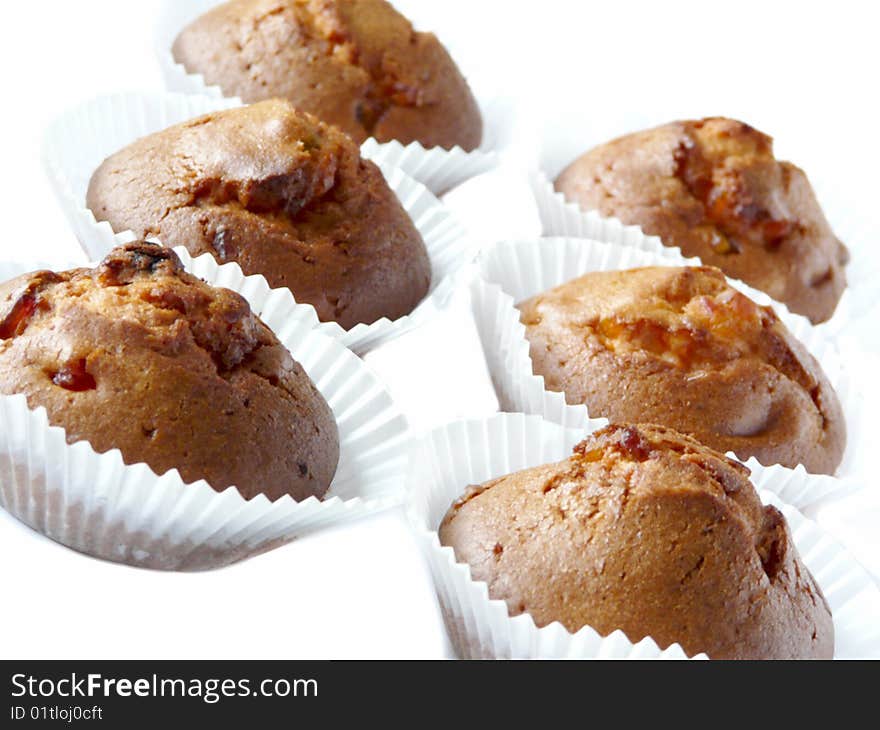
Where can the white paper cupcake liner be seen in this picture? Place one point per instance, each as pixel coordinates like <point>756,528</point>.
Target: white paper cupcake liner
<point>98,505</point>
<point>447,460</point>
<point>437,168</point>
<point>511,272</point>
<point>77,142</point>
<point>561,218</point>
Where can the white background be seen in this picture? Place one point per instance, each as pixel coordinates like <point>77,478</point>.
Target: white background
<point>580,71</point>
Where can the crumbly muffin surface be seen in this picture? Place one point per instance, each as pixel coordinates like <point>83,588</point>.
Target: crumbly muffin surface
<point>647,531</point>
<point>282,194</point>
<point>714,189</point>
<point>681,347</point>
<point>138,355</point>
<point>358,64</point>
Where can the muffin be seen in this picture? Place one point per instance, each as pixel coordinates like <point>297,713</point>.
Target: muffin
<point>645,530</point>
<point>138,355</point>
<point>358,64</point>
<point>680,347</point>
<point>283,195</point>
<point>714,189</point>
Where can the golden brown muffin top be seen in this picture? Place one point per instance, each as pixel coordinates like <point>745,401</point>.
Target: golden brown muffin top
<point>331,28</point>
<point>356,63</point>
<point>281,194</point>
<point>145,285</point>
<point>617,462</point>
<point>648,531</point>
<point>714,188</point>
<point>688,318</point>
<point>729,167</point>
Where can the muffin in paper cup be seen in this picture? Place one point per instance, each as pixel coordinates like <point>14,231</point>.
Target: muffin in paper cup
<point>445,461</point>
<point>99,505</point>
<point>513,271</point>
<point>11,269</point>
<point>78,141</point>
<point>437,168</point>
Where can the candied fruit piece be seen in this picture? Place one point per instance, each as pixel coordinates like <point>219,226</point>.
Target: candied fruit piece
<point>19,316</point>
<point>74,377</point>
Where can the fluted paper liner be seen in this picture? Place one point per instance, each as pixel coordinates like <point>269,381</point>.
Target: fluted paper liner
<point>437,168</point>
<point>98,505</point>
<point>511,272</point>
<point>447,460</point>
<point>563,218</point>
<point>78,141</point>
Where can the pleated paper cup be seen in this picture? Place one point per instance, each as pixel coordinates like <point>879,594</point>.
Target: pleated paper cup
<point>97,504</point>
<point>511,272</point>
<point>447,460</point>
<point>80,140</point>
<point>437,168</point>
<point>562,218</point>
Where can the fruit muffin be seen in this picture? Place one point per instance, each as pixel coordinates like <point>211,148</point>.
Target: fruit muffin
<point>358,64</point>
<point>647,531</point>
<point>681,347</point>
<point>138,355</point>
<point>714,189</point>
<point>282,194</point>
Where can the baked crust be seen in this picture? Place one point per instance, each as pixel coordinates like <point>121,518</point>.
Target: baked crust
<point>714,189</point>
<point>138,355</point>
<point>679,346</point>
<point>358,64</point>
<point>647,531</point>
<point>283,195</point>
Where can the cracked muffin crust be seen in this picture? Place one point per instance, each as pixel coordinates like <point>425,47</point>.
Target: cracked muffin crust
<point>138,355</point>
<point>714,189</point>
<point>358,64</point>
<point>681,347</point>
<point>647,531</point>
<point>283,195</point>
